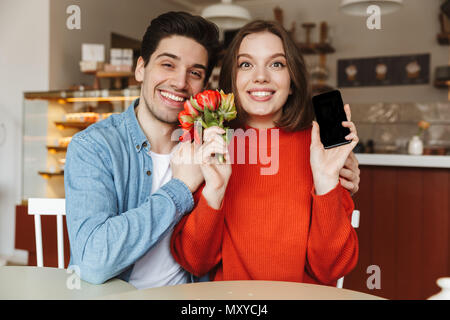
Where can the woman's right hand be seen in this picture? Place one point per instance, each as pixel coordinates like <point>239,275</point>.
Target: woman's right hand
<point>216,174</point>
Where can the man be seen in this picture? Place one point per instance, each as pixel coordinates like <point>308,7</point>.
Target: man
<point>124,189</point>
<point>123,196</point>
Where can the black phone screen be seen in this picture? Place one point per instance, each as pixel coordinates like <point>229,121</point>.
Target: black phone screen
<point>329,110</point>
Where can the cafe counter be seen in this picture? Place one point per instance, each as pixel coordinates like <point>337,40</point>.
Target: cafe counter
<point>403,160</point>
<point>404,224</point>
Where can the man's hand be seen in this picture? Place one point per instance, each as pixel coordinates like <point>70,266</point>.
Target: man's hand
<point>185,168</point>
<point>349,174</point>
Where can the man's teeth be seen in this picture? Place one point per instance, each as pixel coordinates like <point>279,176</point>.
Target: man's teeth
<point>172,97</point>
<point>261,93</point>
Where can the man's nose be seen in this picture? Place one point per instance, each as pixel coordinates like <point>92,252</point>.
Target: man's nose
<point>179,80</point>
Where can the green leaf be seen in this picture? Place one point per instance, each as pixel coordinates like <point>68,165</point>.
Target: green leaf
<point>209,117</point>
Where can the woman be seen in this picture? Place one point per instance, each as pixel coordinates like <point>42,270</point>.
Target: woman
<point>293,224</point>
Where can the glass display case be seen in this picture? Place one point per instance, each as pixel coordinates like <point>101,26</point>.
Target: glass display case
<point>50,119</point>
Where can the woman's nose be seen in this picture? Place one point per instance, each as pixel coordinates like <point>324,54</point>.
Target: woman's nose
<point>261,75</point>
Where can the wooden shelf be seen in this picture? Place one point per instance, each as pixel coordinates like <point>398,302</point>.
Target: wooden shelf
<point>114,74</point>
<point>89,95</point>
<point>72,124</point>
<point>48,175</point>
<point>316,48</point>
<point>443,38</point>
<point>56,149</point>
<point>442,84</point>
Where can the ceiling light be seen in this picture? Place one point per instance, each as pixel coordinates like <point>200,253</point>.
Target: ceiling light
<point>227,15</point>
<point>359,7</point>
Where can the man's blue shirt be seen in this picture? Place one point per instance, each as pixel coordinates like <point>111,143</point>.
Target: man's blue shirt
<point>112,219</point>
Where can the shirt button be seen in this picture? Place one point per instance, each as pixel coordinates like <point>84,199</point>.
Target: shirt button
<point>145,144</point>
<point>137,147</point>
<point>149,172</point>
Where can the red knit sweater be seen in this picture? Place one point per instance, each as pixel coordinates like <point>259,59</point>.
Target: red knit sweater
<point>270,227</point>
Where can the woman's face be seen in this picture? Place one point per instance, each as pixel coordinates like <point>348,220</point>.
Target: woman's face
<point>262,79</point>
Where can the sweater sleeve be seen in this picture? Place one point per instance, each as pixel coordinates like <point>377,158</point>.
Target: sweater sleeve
<point>332,250</point>
<point>196,241</point>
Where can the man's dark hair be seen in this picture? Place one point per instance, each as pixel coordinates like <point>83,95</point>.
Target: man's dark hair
<point>183,24</point>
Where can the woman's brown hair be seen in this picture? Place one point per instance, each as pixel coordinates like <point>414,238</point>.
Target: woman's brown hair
<point>298,112</point>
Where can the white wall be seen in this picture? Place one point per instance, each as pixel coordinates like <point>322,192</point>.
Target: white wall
<point>410,30</point>
<point>24,65</point>
<point>98,19</point>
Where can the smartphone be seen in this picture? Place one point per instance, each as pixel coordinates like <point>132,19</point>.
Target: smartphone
<point>329,110</point>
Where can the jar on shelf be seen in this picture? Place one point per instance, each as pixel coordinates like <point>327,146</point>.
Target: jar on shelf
<point>415,146</point>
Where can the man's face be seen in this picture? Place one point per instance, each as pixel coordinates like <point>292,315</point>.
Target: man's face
<point>176,71</point>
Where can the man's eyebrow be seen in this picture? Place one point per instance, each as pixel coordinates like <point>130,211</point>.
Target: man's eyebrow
<point>271,57</point>
<point>199,66</point>
<point>170,55</point>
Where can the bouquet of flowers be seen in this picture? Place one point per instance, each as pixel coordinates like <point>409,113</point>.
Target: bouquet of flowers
<point>423,125</point>
<point>208,108</point>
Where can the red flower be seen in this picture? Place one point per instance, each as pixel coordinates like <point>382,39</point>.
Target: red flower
<point>185,119</point>
<point>187,134</point>
<point>189,108</point>
<point>209,99</point>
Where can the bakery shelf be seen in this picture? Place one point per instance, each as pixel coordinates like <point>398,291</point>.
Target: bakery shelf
<point>56,149</point>
<point>71,96</point>
<point>48,175</point>
<point>72,125</point>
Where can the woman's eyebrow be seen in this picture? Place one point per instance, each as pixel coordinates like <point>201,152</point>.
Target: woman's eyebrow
<point>271,57</point>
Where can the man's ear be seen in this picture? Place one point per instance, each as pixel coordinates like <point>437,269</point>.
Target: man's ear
<point>140,70</point>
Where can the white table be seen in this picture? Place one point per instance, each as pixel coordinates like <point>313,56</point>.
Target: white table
<point>26,283</point>
<point>243,290</point>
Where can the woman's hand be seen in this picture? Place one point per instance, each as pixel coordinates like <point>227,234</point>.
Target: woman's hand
<point>327,163</point>
<point>216,174</point>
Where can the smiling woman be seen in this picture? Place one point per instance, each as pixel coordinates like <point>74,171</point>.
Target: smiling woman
<point>262,78</point>
<point>291,224</point>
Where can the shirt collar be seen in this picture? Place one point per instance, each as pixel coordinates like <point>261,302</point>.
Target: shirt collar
<point>137,135</point>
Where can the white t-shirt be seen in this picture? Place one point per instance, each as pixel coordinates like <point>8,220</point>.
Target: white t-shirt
<point>157,267</point>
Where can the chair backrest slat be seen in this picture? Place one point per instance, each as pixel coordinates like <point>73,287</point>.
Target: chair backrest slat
<point>42,206</point>
<point>355,225</point>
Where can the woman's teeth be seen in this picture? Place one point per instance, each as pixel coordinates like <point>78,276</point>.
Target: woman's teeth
<point>260,93</point>
<point>172,97</point>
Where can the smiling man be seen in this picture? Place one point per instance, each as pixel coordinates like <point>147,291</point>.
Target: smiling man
<point>124,192</point>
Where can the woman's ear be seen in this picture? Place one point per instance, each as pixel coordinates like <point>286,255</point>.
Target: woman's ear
<point>140,70</point>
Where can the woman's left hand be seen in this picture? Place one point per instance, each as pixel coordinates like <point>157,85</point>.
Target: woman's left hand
<point>326,163</point>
